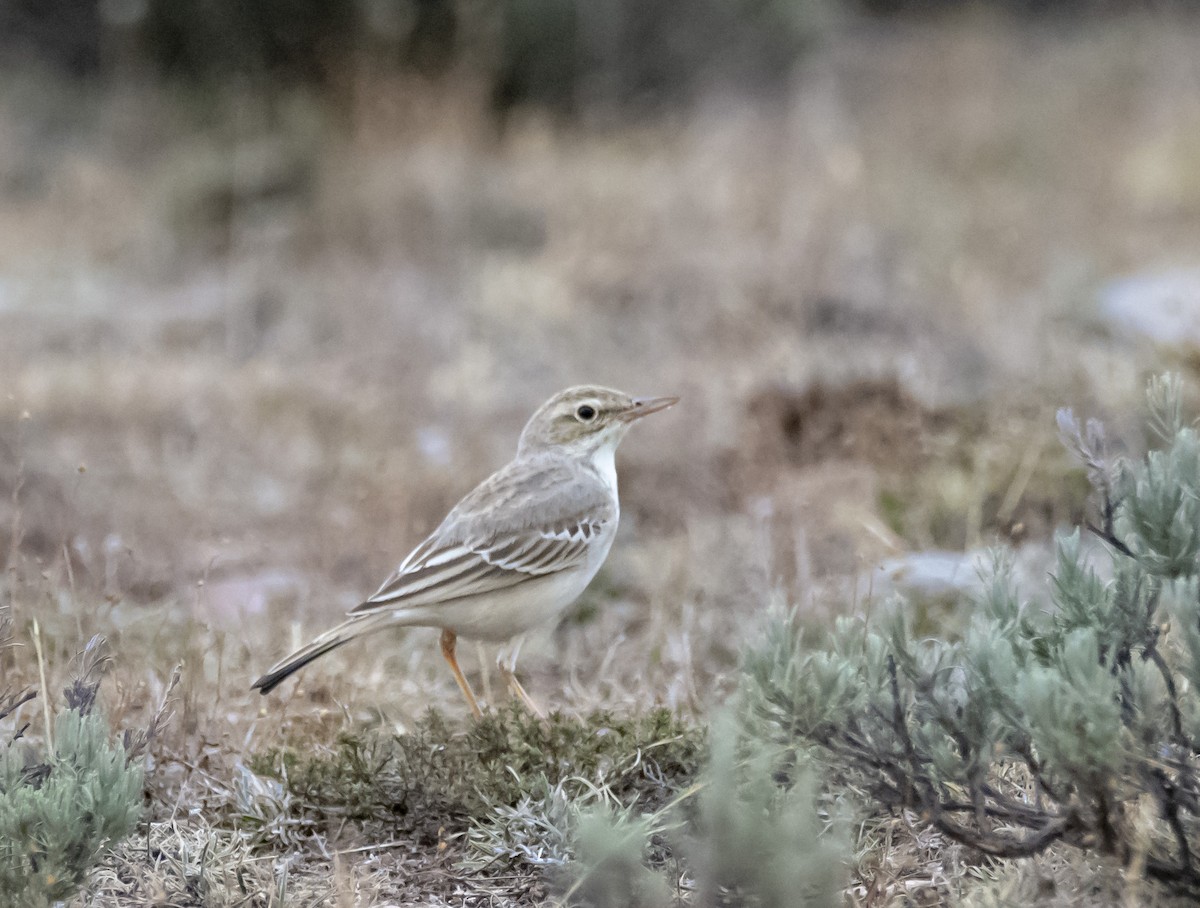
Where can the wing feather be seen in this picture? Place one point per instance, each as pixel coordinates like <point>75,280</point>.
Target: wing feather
<point>462,558</point>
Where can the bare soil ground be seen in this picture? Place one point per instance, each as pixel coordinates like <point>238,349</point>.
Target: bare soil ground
<point>251,348</point>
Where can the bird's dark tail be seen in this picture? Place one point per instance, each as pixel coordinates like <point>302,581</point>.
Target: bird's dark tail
<point>330,640</point>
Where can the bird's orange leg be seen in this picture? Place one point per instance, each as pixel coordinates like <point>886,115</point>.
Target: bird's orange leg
<point>508,669</point>
<point>515,686</point>
<point>448,641</point>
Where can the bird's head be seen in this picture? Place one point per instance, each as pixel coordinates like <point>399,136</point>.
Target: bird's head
<point>581,420</point>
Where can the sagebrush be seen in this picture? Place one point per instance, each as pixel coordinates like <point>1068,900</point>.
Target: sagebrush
<point>65,802</point>
<point>1060,713</point>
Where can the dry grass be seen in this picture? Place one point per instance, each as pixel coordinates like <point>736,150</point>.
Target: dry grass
<point>244,366</point>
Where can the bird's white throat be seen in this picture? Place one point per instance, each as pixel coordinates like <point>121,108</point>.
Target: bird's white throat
<point>605,462</point>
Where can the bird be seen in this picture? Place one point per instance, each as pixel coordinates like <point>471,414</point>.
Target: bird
<point>516,550</point>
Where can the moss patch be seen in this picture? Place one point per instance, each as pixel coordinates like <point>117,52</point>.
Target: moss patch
<point>431,784</point>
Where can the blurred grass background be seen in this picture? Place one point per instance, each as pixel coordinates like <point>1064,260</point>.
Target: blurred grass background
<point>280,281</point>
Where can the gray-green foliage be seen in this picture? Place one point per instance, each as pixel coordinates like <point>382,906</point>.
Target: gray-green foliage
<point>1049,718</point>
<point>60,811</point>
<point>749,833</point>
<point>61,808</point>
<point>610,869</point>
<point>760,835</point>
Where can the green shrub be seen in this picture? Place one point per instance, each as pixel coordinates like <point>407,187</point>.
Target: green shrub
<point>759,833</point>
<point>553,52</point>
<point>434,782</point>
<point>750,832</point>
<point>610,870</point>
<point>59,812</point>
<point>642,53</point>
<point>1051,720</point>
<point>608,809</point>
<point>63,805</point>
<point>557,53</point>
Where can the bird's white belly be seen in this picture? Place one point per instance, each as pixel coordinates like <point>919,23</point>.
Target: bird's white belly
<point>507,613</point>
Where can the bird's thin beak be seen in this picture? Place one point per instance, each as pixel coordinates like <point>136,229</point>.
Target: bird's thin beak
<point>644,406</point>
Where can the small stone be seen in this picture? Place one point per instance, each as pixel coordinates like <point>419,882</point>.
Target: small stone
<point>1162,307</point>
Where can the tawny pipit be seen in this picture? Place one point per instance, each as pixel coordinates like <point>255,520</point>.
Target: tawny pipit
<point>518,549</point>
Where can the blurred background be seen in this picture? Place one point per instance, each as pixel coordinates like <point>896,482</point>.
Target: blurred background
<point>280,281</point>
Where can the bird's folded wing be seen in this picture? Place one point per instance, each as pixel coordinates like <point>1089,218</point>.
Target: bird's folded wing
<point>532,518</point>
<point>436,573</point>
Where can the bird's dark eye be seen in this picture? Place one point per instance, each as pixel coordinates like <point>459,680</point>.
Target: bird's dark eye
<point>585,413</point>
